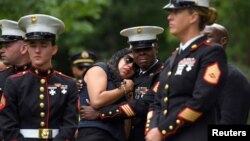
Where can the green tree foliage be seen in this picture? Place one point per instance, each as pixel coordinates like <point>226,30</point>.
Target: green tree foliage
<point>234,15</point>
<point>96,24</point>
<point>123,14</point>
<point>78,16</point>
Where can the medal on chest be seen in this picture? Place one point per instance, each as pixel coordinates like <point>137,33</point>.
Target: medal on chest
<point>64,89</point>
<point>53,89</point>
<point>140,92</point>
<point>185,64</point>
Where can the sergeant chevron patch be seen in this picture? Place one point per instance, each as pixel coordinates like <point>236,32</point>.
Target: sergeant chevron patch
<point>212,74</point>
<point>127,110</point>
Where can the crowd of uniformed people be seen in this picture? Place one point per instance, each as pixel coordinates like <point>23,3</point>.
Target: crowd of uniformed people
<point>134,96</point>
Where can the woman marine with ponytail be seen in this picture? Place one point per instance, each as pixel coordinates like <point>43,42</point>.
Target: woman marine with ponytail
<point>192,79</point>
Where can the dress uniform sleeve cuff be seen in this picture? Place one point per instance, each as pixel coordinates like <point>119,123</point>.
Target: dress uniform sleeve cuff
<point>110,114</point>
<point>148,122</point>
<point>189,114</point>
<point>170,127</point>
<point>122,111</point>
<point>127,110</point>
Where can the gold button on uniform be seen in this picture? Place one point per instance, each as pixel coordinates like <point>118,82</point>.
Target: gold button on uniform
<point>194,46</point>
<point>41,105</point>
<point>169,73</point>
<point>41,89</point>
<point>165,112</point>
<point>178,121</point>
<point>166,99</point>
<point>36,71</point>
<point>110,113</point>
<point>166,87</point>
<point>147,125</point>
<point>42,124</point>
<point>42,81</point>
<point>171,127</point>
<point>117,110</point>
<point>164,132</point>
<point>42,114</point>
<point>41,96</point>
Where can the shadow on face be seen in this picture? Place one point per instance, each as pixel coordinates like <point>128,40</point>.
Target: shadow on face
<point>145,57</point>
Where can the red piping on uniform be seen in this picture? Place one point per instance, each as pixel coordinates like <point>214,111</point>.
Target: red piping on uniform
<point>47,120</point>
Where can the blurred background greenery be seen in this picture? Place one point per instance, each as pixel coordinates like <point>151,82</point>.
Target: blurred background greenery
<point>96,24</point>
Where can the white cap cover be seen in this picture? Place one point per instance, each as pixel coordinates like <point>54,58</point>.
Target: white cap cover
<point>11,28</point>
<point>41,23</point>
<point>174,4</point>
<point>142,33</point>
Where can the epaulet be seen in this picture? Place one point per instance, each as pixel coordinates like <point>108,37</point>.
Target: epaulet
<point>19,74</point>
<point>64,75</point>
<point>196,46</point>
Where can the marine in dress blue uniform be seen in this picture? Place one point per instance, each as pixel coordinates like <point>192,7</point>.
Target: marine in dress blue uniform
<point>41,105</point>
<point>236,93</point>
<point>11,33</point>
<point>140,38</point>
<point>190,83</point>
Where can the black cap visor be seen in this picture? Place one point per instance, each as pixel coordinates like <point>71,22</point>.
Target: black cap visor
<point>10,38</point>
<point>137,45</point>
<point>179,4</point>
<point>40,36</point>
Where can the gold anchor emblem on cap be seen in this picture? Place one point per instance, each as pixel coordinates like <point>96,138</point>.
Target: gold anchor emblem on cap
<point>85,54</point>
<point>139,30</point>
<point>33,19</point>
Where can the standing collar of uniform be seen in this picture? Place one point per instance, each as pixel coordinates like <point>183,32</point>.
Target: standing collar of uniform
<point>183,47</point>
<point>40,72</point>
<point>145,71</point>
<point>21,68</point>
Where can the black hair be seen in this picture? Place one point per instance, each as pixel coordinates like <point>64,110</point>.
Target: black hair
<point>113,65</point>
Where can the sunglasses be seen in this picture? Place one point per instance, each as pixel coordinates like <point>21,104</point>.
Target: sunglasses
<point>129,59</point>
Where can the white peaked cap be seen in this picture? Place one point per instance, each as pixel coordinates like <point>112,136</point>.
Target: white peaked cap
<point>11,28</point>
<point>41,23</point>
<point>141,33</point>
<point>173,4</point>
